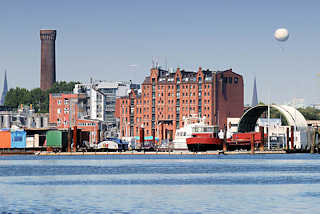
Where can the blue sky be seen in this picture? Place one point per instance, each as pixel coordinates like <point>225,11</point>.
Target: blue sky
<point>103,39</point>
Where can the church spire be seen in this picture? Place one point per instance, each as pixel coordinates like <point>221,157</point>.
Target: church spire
<point>5,88</point>
<point>255,94</point>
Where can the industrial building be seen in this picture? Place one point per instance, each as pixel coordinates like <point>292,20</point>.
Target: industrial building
<point>70,110</point>
<point>168,97</point>
<point>23,117</point>
<point>91,107</point>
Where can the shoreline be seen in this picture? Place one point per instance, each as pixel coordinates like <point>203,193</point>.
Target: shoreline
<point>157,153</point>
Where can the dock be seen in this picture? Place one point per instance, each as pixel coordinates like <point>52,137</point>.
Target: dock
<point>157,153</point>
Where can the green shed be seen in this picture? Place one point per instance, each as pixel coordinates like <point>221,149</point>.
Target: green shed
<point>57,139</point>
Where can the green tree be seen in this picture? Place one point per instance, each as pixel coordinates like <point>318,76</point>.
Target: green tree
<point>17,96</point>
<point>310,113</point>
<point>37,97</point>
<point>63,86</point>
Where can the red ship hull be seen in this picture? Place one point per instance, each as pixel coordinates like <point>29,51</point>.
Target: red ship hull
<point>204,142</point>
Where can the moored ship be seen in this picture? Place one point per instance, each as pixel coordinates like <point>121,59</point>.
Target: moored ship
<point>194,127</point>
<point>204,138</point>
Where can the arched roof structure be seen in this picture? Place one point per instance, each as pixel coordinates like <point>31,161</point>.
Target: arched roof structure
<point>249,119</point>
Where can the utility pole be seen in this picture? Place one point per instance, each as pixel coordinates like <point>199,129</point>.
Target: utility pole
<point>69,129</point>
<point>269,121</point>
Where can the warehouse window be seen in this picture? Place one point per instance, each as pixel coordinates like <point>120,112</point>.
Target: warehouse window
<point>236,80</point>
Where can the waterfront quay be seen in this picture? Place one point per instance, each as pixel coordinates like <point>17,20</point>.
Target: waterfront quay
<point>158,153</point>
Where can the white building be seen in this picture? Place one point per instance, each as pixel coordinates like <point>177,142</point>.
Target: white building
<point>101,100</point>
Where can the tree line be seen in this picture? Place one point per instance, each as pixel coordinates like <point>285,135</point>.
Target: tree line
<point>37,97</point>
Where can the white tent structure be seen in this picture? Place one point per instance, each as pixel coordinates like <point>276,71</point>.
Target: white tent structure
<point>293,116</point>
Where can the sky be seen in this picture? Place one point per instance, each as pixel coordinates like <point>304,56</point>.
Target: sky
<point>116,40</point>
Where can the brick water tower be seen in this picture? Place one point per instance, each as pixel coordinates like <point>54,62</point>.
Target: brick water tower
<point>48,58</point>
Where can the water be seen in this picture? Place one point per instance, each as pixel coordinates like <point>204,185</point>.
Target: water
<point>160,184</point>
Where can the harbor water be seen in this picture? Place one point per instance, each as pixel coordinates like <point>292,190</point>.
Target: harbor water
<point>283,183</point>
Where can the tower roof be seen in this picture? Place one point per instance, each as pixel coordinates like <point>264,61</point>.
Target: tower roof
<point>5,89</point>
<point>255,94</point>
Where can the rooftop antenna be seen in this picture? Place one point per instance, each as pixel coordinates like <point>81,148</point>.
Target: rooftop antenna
<point>157,62</point>
<point>153,62</point>
<point>166,62</point>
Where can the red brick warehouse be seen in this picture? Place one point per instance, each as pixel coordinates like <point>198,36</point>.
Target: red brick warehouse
<point>166,98</point>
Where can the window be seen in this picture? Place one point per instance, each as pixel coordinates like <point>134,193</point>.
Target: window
<point>236,80</point>
<point>230,80</point>
<point>59,102</point>
<point>225,79</point>
<point>58,111</point>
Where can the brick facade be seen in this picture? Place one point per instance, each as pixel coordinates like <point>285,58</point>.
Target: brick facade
<point>166,98</point>
<point>48,59</point>
<point>60,114</point>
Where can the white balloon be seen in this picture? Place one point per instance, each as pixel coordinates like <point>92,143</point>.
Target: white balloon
<point>281,34</point>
